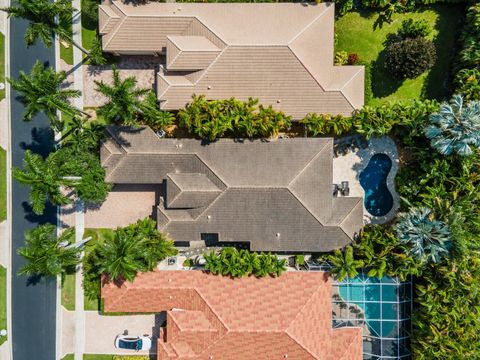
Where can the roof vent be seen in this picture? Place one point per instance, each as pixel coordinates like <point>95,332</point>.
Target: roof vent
<point>277,235</point>
<point>209,87</point>
<point>279,101</point>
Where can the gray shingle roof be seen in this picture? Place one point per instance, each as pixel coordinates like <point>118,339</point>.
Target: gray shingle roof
<point>275,194</point>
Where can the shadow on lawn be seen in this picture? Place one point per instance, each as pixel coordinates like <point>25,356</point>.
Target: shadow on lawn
<point>383,82</point>
<point>437,84</point>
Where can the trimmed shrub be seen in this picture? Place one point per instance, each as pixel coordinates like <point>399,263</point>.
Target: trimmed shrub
<point>409,58</point>
<point>411,29</point>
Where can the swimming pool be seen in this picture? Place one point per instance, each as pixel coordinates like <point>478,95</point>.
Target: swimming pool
<point>378,199</point>
<point>382,307</point>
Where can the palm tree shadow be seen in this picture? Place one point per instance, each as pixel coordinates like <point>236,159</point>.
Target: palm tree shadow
<point>42,143</point>
<point>33,280</point>
<point>47,217</point>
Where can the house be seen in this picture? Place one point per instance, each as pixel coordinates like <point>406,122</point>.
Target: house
<point>275,195</point>
<point>214,317</point>
<point>281,54</point>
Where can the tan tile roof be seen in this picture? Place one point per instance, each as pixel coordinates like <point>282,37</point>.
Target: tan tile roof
<point>237,319</point>
<point>276,195</point>
<point>279,53</point>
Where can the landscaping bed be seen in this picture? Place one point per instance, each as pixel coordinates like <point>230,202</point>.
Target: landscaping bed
<point>98,236</point>
<point>356,32</point>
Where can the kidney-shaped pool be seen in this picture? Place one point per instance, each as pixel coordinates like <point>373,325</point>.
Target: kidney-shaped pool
<point>378,199</point>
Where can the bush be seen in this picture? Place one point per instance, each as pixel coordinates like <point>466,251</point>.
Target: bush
<point>467,83</point>
<point>239,263</point>
<point>411,29</point>
<point>211,119</point>
<point>353,59</point>
<point>467,65</point>
<point>410,57</point>
<point>319,124</point>
<point>341,58</point>
<point>299,260</point>
<point>368,94</point>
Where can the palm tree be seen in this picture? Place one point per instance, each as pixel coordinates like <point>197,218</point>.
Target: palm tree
<point>83,136</point>
<point>40,91</point>
<point>47,254</point>
<point>344,264</point>
<point>455,128</point>
<point>137,247</point>
<point>430,239</point>
<point>124,104</point>
<point>152,115</point>
<point>120,257</point>
<point>42,15</point>
<point>45,181</point>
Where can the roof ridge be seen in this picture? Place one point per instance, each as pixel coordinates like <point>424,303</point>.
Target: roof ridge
<point>306,69</point>
<point>310,24</point>
<point>296,316</point>
<point>119,24</point>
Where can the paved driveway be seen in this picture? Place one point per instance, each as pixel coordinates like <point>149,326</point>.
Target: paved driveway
<point>124,205</point>
<point>100,331</point>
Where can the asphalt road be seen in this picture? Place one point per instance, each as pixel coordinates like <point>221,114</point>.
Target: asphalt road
<point>33,300</point>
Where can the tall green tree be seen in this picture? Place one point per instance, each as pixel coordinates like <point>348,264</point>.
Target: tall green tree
<point>430,239</point>
<point>41,91</point>
<point>45,181</point>
<point>456,127</point>
<point>137,247</point>
<point>66,169</point>
<point>344,263</point>
<point>45,19</point>
<point>124,103</point>
<point>47,254</point>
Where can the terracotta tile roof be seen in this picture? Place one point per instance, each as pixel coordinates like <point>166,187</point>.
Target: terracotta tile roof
<point>213,317</point>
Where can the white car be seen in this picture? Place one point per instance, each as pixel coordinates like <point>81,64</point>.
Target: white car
<point>132,342</point>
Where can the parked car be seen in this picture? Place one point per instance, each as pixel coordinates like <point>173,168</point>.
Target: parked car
<point>133,342</point>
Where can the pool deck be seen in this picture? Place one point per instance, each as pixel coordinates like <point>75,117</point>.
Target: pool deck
<point>348,167</point>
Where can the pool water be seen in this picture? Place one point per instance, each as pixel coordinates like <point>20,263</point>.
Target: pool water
<point>378,199</point>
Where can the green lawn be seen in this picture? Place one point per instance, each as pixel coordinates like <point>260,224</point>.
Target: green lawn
<point>3,301</point>
<point>68,357</point>
<point>68,292</point>
<point>355,33</point>
<point>98,235</point>
<point>97,357</point>
<point>3,184</point>
<point>2,64</point>
<point>89,22</point>
<point>66,53</point>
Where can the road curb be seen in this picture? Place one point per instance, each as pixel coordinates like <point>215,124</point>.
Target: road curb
<point>9,184</point>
